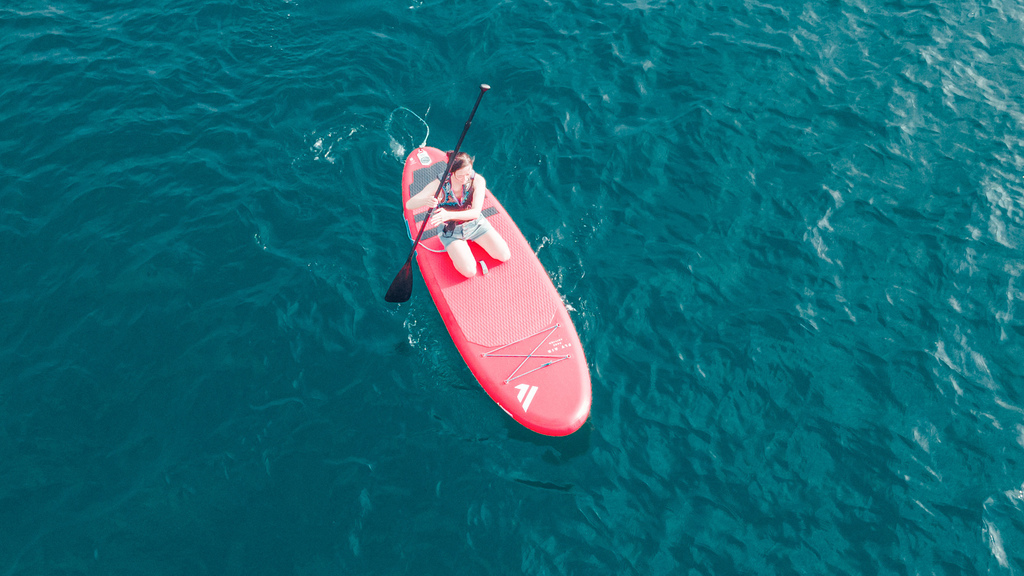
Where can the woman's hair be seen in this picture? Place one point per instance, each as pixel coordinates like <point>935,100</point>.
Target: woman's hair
<point>461,161</point>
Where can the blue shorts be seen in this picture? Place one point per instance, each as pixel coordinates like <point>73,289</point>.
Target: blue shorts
<point>470,230</point>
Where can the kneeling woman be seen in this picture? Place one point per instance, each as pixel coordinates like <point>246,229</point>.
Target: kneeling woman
<point>458,215</point>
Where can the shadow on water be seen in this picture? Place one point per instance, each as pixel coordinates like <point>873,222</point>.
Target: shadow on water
<point>560,449</point>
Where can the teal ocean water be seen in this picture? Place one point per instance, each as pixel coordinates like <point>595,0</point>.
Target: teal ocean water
<point>789,233</point>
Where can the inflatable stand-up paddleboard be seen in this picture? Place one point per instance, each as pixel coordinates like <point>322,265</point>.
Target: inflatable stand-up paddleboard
<point>508,322</point>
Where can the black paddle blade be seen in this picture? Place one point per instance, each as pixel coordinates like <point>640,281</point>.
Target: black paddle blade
<point>401,287</point>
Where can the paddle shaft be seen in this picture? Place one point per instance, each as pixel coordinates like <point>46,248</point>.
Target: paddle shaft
<point>448,168</point>
<point>401,286</point>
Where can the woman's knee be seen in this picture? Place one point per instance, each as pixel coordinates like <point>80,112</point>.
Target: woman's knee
<point>501,251</point>
<point>504,254</point>
<point>467,269</point>
<point>462,258</point>
<point>497,247</point>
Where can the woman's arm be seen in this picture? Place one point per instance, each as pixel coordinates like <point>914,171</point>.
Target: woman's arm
<point>424,197</point>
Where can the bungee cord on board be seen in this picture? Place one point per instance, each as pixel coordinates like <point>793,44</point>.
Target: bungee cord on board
<point>399,150</point>
<point>396,146</point>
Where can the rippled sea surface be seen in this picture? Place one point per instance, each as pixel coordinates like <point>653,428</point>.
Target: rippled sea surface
<point>789,233</point>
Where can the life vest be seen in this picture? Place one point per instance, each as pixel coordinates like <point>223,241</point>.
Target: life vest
<point>449,201</point>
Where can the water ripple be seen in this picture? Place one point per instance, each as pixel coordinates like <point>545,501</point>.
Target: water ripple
<point>789,236</point>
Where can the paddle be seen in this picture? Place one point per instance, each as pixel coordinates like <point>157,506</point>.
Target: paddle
<point>401,287</point>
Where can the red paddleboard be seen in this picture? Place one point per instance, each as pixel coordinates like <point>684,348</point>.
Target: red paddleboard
<point>509,324</point>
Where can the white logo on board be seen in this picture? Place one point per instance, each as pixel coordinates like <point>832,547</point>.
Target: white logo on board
<point>526,394</point>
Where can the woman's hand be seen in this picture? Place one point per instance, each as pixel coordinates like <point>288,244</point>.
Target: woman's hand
<point>438,217</point>
<point>424,199</point>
